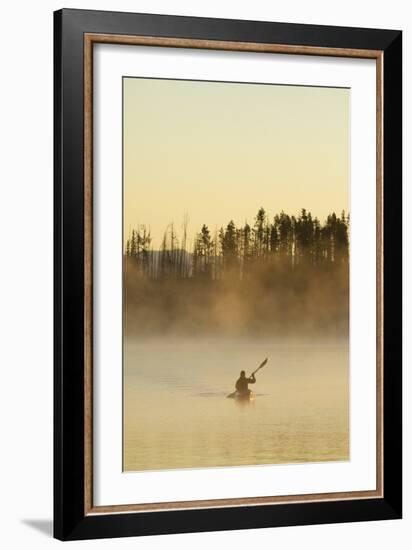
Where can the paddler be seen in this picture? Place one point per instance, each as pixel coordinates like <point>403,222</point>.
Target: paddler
<point>243,382</point>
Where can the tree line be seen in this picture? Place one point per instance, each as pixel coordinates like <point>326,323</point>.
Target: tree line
<point>286,241</point>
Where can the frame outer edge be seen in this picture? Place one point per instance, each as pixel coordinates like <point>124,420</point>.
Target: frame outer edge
<point>58,501</point>
<point>68,278</point>
<point>70,521</point>
<point>392,179</point>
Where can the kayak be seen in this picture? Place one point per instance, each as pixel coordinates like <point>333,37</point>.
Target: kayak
<point>241,396</point>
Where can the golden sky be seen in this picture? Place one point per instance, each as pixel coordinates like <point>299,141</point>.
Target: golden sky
<point>219,151</point>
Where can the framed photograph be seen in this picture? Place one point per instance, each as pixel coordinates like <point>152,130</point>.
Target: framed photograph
<point>227,274</point>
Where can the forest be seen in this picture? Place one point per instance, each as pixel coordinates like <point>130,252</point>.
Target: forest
<point>283,274</point>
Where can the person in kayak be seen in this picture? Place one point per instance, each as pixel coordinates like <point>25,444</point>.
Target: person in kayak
<point>243,382</point>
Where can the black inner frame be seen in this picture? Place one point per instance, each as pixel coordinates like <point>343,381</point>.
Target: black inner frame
<point>70,522</point>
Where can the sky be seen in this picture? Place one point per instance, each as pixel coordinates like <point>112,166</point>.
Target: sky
<point>218,151</point>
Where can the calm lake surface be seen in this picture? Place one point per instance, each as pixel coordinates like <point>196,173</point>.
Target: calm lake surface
<point>176,414</point>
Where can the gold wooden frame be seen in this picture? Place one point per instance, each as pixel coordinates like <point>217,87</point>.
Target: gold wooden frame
<point>89,40</point>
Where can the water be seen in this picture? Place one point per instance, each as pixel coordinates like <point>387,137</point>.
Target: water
<point>176,414</point>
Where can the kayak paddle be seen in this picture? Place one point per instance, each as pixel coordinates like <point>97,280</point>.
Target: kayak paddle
<point>260,366</point>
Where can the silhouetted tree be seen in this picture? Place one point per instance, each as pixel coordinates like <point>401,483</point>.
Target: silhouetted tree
<point>300,242</point>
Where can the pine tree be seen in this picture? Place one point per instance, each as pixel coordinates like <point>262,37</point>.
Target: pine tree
<point>259,232</point>
<point>229,246</point>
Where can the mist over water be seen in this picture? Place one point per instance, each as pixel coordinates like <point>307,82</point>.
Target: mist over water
<point>176,414</point>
